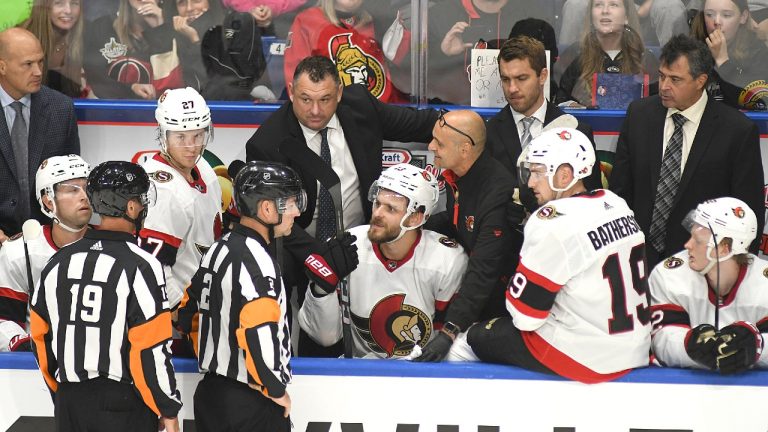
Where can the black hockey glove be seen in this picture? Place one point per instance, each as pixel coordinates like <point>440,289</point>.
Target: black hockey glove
<point>335,262</point>
<point>701,344</point>
<point>20,343</point>
<point>739,347</point>
<point>516,215</point>
<point>436,349</point>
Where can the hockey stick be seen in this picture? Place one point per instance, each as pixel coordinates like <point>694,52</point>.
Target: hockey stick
<point>30,231</point>
<point>346,315</point>
<point>717,280</point>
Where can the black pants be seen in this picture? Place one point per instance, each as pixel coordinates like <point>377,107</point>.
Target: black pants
<point>101,404</point>
<point>499,341</point>
<point>225,405</point>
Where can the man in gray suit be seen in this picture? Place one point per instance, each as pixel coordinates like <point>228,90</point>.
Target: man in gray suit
<point>37,123</point>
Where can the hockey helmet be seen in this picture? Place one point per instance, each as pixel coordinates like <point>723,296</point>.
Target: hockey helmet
<point>55,170</point>
<point>182,109</point>
<point>112,184</point>
<point>555,147</point>
<point>258,181</point>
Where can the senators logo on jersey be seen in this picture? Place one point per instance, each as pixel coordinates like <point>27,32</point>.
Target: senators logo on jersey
<point>394,327</point>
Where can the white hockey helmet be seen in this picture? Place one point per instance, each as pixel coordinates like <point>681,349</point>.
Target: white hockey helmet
<point>55,170</point>
<point>555,147</point>
<point>417,185</point>
<point>723,218</point>
<point>182,109</point>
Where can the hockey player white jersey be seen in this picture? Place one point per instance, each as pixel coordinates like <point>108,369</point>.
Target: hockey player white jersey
<point>681,299</point>
<point>184,222</point>
<point>579,294</point>
<point>14,287</point>
<point>394,304</point>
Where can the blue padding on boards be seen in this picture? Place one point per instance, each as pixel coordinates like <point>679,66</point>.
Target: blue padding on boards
<point>399,368</point>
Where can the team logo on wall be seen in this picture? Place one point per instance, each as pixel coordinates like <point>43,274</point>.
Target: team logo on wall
<point>391,156</point>
<point>394,327</point>
<point>355,66</point>
<point>673,262</point>
<point>754,95</point>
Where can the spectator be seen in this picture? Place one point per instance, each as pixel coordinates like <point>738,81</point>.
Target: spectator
<point>329,131</point>
<point>60,189</point>
<point>132,55</point>
<point>610,44</point>
<point>673,151</point>
<point>59,27</point>
<point>523,74</point>
<point>741,59</point>
<point>480,191</point>
<point>406,277</point>
<point>342,31</point>
<point>687,316</point>
<point>273,7</point>
<point>664,19</point>
<point>563,300</point>
<point>114,346</point>
<point>46,127</point>
<point>240,298</point>
<point>187,217</point>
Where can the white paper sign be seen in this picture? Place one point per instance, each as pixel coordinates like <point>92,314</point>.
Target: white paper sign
<point>485,82</point>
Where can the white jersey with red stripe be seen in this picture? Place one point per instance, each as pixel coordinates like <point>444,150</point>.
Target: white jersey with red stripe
<point>14,285</point>
<point>579,294</point>
<point>183,223</point>
<point>394,304</point>
<point>681,299</point>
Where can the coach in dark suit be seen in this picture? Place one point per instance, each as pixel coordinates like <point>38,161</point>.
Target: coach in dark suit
<point>353,124</point>
<point>522,70</point>
<point>47,128</point>
<point>719,155</point>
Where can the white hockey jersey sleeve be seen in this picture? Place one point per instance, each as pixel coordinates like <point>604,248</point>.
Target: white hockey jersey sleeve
<point>320,317</point>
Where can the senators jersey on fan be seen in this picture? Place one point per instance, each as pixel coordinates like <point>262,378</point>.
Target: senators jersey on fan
<point>681,299</point>
<point>184,222</point>
<point>14,286</point>
<point>100,310</point>
<point>394,304</point>
<point>237,303</point>
<point>579,294</point>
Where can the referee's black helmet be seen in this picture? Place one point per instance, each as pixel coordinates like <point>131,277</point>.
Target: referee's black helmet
<point>112,184</point>
<point>259,180</point>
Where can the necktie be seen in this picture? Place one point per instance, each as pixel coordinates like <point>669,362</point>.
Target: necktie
<point>326,226</point>
<point>669,180</point>
<point>21,155</point>
<point>526,138</point>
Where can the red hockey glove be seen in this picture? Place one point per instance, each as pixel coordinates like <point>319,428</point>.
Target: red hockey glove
<point>739,347</point>
<point>701,343</point>
<point>20,343</point>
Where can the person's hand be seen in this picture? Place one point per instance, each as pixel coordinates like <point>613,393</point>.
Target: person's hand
<point>436,349</point>
<point>144,91</point>
<point>20,343</point>
<point>263,15</point>
<point>3,237</point>
<point>337,261</point>
<point>516,214</point>
<point>739,347</point>
<point>285,402</point>
<point>701,345</point>
<point>151,12</point>
<point>168,424</point>
<point>718,46</point>
<point>452,43</point>
<point>181,25</point>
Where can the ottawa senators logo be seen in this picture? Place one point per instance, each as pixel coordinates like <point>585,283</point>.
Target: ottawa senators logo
<point>355,65</point>
<point>394,328</point>
<point>738,212</point>
<point>564,135</point>
<point>547,212</point>
<point>470,223</point>
<point>161,176</point>
<point>673,262</point>
<point>449,242</point>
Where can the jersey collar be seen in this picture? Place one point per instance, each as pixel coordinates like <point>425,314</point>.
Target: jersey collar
<point>392,265</point>
<point>197,183</point>
<point>48,233</point>
<point>728,299</point>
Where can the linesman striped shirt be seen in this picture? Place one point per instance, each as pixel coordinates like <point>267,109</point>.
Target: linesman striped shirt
<point>237,301</point>
<point>100,310</point>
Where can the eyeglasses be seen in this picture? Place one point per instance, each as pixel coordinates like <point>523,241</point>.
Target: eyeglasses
<point>441,121</point>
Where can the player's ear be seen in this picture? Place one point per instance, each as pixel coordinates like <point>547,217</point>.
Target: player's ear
<point>47,202</point>
<point>415,219</point>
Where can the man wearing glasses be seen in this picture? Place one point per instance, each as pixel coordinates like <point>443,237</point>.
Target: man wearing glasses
<point>480,191</point>
<point>61,193</point>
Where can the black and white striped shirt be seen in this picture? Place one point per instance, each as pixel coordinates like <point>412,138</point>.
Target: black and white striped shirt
<point>237,298</point>
<point>100,310</point>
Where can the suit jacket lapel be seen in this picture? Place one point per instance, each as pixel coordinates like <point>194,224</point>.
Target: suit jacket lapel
<point>655,144</point>
<point>510,137</point>
<point>38,120</point>
<point>698,147</point>
<point>6,147</point>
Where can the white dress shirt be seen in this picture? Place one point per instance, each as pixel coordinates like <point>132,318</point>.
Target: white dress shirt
<point>693,113</point>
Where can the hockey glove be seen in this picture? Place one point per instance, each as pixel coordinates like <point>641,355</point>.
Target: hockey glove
<point>20,343</point>
<point>337,261</point>
<point>436,349</point>
<point>739,347</point>
<point>701,344</point>
<point>516,215</point>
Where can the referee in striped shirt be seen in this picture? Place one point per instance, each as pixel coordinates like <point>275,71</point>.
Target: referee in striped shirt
<point>238,302</point>
<point>100,322</point>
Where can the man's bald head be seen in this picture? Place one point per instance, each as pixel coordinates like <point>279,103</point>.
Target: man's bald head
<point>471,124</point>
<point>21,62</point>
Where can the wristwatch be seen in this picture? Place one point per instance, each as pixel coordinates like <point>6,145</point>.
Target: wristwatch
<point>451,329</point>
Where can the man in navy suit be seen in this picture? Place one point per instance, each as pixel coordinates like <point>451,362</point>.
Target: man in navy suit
<point>47,127</point>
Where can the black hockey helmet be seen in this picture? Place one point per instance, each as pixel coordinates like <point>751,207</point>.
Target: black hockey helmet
<point>258,181</point>
<point>112,184</point>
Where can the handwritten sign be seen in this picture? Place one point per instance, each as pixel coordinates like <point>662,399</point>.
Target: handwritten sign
<point>484,78</point>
